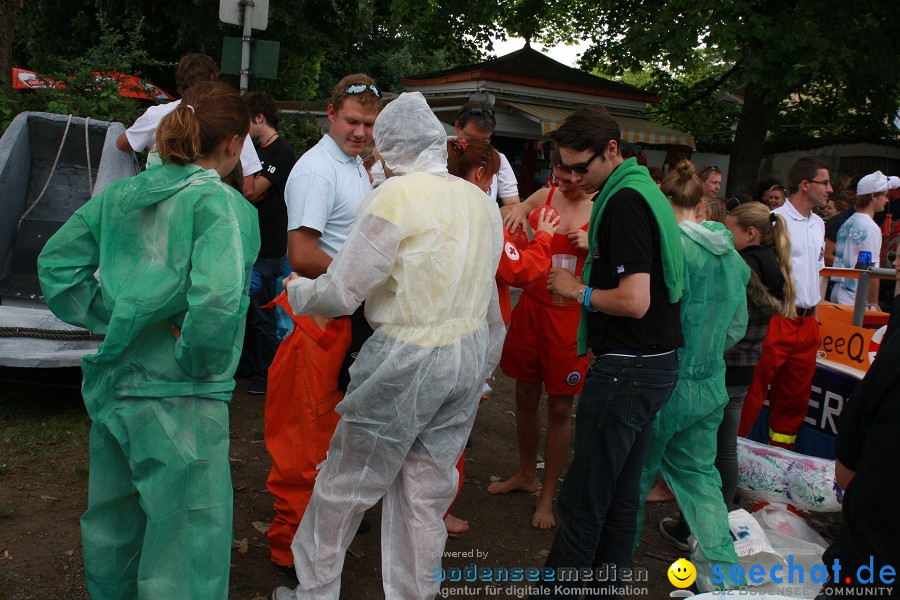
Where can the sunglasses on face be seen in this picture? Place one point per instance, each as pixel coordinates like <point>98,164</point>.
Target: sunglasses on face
<point>360,88</point>
<point>891,256</point>
<point>580,168</point>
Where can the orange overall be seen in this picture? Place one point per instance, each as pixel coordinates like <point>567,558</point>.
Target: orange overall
<point>300,418</point>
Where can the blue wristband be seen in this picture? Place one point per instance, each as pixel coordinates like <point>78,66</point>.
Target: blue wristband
<point>587,299</point>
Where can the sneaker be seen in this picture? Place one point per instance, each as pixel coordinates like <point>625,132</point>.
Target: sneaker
<point>676,531</point>
<point>287,570</point>
<point>257,387</point>
<point>364,527</point>
<point>283,593</point>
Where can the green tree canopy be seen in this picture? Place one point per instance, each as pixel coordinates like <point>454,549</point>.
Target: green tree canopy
<point>321,40</point>
<point>825,64</point>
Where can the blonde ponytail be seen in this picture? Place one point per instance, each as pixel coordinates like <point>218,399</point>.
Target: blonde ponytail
<point>178,136</point>
<point>782,242</point>
<point>210,112</point>
<point>773,232</point>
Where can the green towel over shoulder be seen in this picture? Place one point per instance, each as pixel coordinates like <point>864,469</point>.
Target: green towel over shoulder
<point>632,175</point>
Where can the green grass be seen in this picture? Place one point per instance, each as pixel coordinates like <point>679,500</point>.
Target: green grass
<point>41,425</point>
<point>80,470</point>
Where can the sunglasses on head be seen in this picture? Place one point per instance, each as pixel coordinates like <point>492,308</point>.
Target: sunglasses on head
<point>710,169</point>
<point>477,111</point>
<point>780,188</point>
<point>733,202</point>
<point>580,168</point>
<point>360,88</point>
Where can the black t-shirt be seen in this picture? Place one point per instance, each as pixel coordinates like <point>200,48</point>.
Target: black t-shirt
<point>628,242</point>
<point>277,160</point>
<point>868,444</point>
<point>833,224</point>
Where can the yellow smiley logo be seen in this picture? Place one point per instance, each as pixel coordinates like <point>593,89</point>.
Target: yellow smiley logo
<point>682,573</point>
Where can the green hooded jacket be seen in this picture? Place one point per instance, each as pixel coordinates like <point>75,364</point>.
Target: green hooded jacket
<point>170,246</point>
<point>714,301</point>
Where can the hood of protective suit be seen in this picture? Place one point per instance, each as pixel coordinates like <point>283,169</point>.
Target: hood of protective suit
<point>409,138</point>
<point>713,236</point>
<point>161,183</point>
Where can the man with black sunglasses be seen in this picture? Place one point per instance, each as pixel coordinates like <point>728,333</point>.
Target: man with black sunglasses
<point>633,281</point>
<point>322,193</point>
<point>476,121</point>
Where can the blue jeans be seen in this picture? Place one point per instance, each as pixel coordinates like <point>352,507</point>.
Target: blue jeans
<point>599,497</point>
<point>260,338</point>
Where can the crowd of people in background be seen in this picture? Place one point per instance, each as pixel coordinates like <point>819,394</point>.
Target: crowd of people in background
<point>670,312</point>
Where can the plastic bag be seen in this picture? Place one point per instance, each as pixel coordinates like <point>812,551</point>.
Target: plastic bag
<point>779,517</point>
<point>771,474</point>
<point>284,324</point>
<point>751,545</point>
<point>758,543</point>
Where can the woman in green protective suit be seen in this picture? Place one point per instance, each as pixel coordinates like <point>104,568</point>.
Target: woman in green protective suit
<point>160,264</point>
<point>713,318</point>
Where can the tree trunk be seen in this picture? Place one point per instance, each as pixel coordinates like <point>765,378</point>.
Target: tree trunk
<point>749,139</point>
<point>7,31</point>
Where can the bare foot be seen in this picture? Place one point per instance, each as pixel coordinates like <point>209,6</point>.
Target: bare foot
<point>543,514</point>
<point>455,524</point>
<point>516,483</point>
<point>660,492</point>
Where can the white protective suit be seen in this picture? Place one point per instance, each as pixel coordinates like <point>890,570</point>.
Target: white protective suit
<point>423,255</point>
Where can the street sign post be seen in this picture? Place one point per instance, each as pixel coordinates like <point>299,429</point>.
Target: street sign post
<point>250,14</point>
<point>232,12</point>
<point>263,57</point>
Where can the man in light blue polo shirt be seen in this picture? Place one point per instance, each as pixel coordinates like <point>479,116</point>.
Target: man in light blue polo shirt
<point>323,192</point>
<point>327,184</point>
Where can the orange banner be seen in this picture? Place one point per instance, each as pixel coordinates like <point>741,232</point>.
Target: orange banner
<point>846,344</point>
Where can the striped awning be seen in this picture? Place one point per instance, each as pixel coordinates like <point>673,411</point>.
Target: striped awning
<point>642,131</point>
<point>549,117</point>
<point>634,129</point>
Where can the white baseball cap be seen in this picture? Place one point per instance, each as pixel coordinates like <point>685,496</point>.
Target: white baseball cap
<point>875,183</point>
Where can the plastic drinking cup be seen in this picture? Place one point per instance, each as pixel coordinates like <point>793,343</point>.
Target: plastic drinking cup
<point>567,262</point>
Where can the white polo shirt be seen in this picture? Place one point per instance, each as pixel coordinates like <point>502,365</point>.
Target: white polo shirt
<point>142,134</point>
<point>323,193</point>
<point>504,183</point>
<point>807,252</point>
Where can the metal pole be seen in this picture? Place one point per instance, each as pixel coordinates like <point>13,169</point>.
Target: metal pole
<point>245,43</point>
<point>862,298</point>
